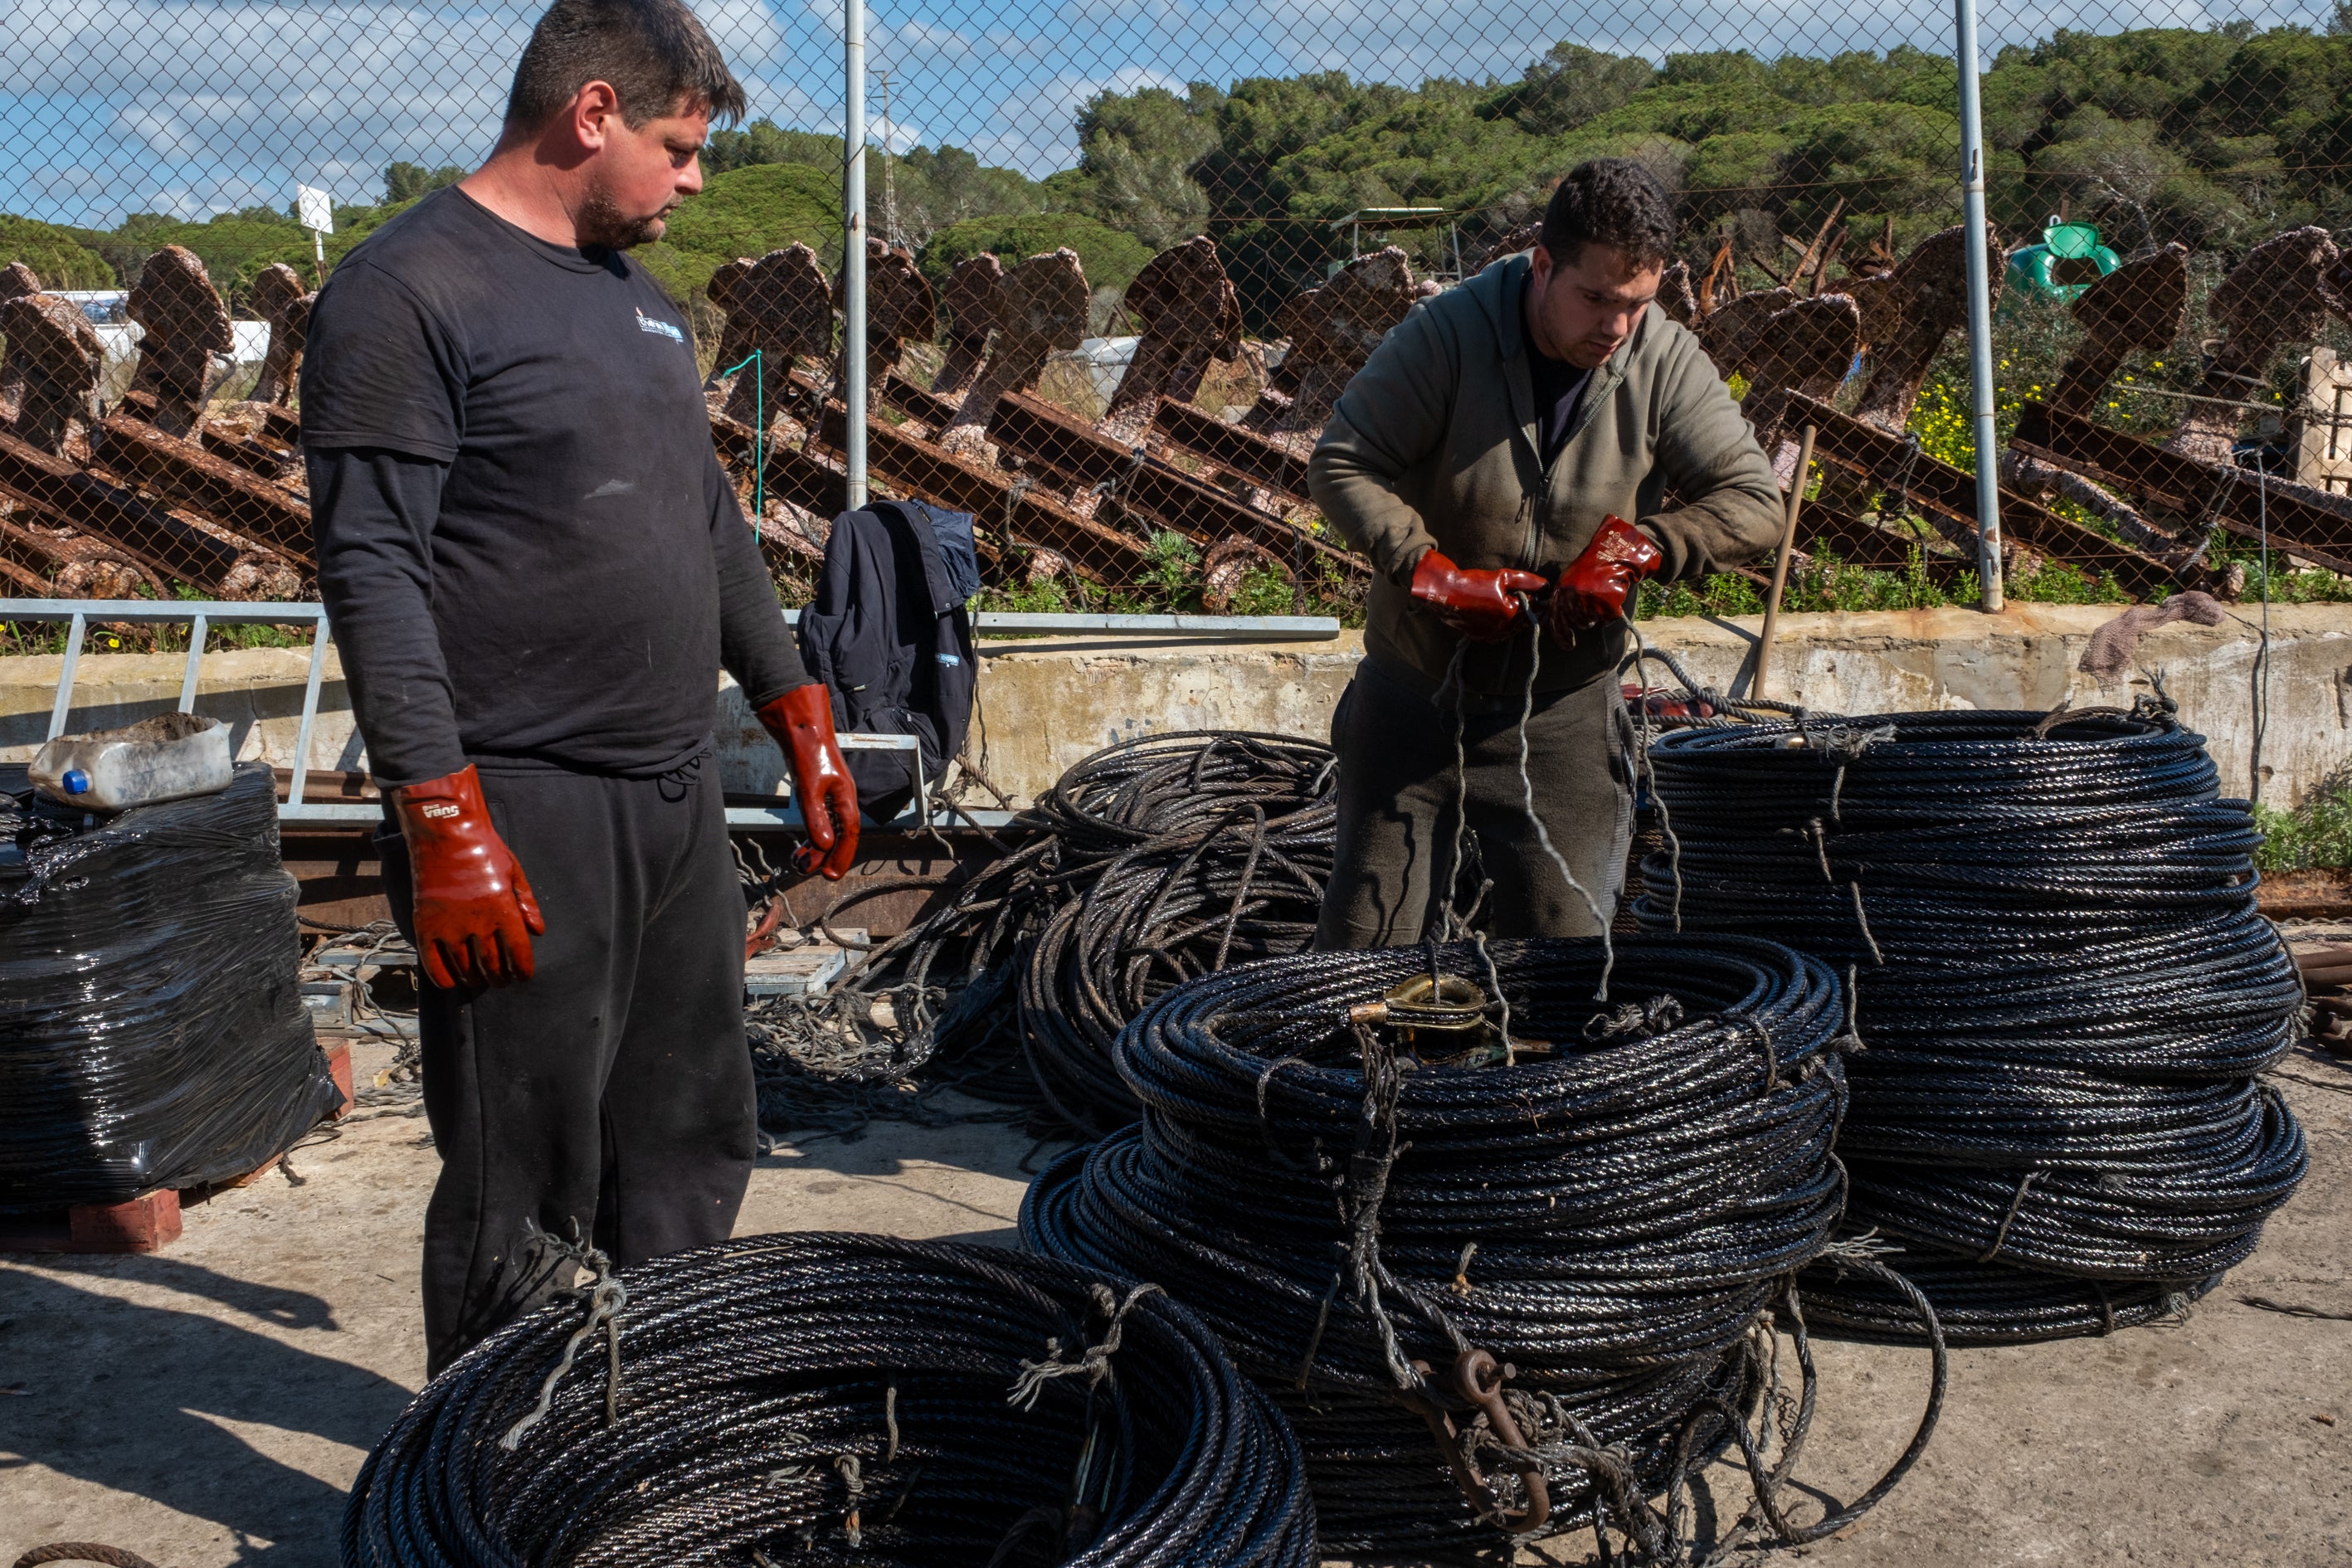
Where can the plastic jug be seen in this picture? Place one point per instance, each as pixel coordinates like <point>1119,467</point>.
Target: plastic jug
<point>168,757</point>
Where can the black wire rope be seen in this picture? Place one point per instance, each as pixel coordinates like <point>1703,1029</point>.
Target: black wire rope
<point>822,1399</point>
<point>1603,1204</point>
<point>1146,863</point>
<point>2064,988</point>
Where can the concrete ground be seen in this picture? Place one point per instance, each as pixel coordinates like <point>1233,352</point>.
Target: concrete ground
<point>209,1405</point>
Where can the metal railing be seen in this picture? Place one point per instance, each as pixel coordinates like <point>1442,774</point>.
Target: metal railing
<point>922,815</point>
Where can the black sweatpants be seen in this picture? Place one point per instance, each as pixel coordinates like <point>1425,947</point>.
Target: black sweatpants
<point>1400,802</point>
<point>612,1092</point>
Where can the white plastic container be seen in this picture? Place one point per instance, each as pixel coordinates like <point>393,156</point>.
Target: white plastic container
<point>168,757</point>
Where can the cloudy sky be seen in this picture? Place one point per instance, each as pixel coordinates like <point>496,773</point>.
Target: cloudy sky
<point>198,106</point>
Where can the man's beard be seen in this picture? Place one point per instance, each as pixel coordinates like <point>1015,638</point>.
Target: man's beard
<point>601,222</point>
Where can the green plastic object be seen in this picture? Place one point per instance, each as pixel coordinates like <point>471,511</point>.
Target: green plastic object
<point>2069,259</point>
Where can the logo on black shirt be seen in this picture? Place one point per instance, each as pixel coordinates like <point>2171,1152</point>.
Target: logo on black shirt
<point>655,324</point>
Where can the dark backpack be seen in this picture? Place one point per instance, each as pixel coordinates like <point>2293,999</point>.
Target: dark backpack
<point>890,637</point>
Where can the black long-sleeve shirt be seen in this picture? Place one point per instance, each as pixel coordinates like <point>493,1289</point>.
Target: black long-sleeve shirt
<point>528,553</point>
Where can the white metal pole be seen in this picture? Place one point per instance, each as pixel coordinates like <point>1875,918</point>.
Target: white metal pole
<point>852,260</point>
<point>1972,216</point>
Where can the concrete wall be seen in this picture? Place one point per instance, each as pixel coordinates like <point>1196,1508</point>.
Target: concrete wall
<point>1045,704</point>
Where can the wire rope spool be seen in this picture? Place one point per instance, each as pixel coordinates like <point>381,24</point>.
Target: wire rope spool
<point>839,1398</point>
<point>1502,1252</point>
<point>1146,863</point>
<point>2064,989</point>
<point>1202,856</point>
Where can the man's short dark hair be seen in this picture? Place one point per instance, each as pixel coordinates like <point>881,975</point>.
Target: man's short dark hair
<point>654,55</point>
<point>1610,201</point>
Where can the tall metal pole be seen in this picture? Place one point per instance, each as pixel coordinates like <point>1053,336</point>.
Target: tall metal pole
<point>1972,216</point>
<point>852,260</point>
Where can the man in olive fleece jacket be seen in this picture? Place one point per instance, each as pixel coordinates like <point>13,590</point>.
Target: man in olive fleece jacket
<point>1485,458</point>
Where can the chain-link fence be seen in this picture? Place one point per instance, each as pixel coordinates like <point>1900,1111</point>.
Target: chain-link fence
<point>1127,255</point>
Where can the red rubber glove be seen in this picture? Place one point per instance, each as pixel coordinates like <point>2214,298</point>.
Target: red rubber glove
<point>475,913</point>
<point>1478,603</point>
<point>801,722</point>
<point>1598,585</point>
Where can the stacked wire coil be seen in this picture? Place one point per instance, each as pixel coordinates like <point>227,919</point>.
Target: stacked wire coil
<point>820,1398</point>
<point>2063,984</point>
<point>1146,863</point>
<point>1375,1220</point>
<point>1192,852</point>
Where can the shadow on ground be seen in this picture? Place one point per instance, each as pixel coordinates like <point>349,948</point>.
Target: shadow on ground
<point>162,1403</point>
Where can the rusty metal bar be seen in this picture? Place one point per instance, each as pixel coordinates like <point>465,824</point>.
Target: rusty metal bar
<point>2225,493</point>
<point>1000,504</point>
<point>145,533</point>
<point>916,403</point>
<point>1796,505</point>
<point>788,473</point>
<point>246,505</point>
<point>1237,451</point>
<point>1867,450</point>
<point>1085,456</point>
<point>1859,543</point>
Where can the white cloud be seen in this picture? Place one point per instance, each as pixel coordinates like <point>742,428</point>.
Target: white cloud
<point>203,105</point>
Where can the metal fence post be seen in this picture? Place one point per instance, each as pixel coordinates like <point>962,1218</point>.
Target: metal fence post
<point>1980,399</point>
<point>64,704</point>
<point>852,260</point>
<point>300,781</point>
<point>199,626</point>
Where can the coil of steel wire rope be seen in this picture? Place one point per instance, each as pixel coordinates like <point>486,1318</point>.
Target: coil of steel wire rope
<point>2064,987</point>
<point>1222,854</point>
<point>1146,863</point>
<point>1505,1253</point>
<point>842,1399</point>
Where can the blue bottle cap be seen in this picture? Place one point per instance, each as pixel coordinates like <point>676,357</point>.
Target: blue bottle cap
<point>76,782</point>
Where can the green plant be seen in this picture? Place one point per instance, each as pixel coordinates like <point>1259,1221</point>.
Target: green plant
<point>2061,583</point>
<point>1173,564</point>
<point>1723,594</point>
<point>2317,834</point>
<point>1046,596</point>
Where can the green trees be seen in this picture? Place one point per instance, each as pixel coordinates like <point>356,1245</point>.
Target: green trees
<point>1571,86</point>
<point>407,182</point>
<point>2215,138</point>
<point>1110,257</point>
<point>1135,152</point>
<point>747,211</point>
<point>57,258</point>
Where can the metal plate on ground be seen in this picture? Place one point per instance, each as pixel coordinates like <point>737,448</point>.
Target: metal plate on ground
<point>804,971</point>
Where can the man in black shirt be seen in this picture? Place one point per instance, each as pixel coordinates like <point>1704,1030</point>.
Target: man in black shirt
<point>535,569</point>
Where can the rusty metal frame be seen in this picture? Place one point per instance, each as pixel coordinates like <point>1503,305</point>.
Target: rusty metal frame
<point>1262,462</point>
<point>1083,455</point>
<point>1867,450</point>
<point>2226,494</point>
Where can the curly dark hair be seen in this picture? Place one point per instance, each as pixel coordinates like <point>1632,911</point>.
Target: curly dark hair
<point>1610,201</point>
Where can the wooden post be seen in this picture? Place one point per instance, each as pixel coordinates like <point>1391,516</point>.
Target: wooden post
<point>1780,564</point>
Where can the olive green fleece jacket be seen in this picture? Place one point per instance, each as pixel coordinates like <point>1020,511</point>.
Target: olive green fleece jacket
<point>1433,445</point>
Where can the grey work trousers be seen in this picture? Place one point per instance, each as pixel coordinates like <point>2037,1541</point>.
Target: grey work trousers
<point>1400,803</point>
<point>612,1093</point>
